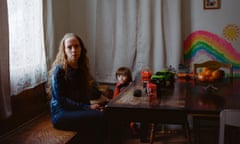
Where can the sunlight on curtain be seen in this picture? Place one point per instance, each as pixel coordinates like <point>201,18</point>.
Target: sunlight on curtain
<point>27,56</point>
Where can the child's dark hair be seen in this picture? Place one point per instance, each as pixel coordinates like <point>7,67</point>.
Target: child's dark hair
<point>124,71</point>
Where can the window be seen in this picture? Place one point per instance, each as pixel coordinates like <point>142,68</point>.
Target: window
<point>26,41</point>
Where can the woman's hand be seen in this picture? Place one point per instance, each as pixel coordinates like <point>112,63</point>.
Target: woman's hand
<point>96,107</point>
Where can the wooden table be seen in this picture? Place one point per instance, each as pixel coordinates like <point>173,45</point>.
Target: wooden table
<point>174,104</point>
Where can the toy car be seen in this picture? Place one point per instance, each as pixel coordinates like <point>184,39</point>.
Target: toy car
<point>163,77</point>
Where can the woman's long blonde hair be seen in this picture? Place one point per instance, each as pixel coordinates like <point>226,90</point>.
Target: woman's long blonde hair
<point>61,59</point>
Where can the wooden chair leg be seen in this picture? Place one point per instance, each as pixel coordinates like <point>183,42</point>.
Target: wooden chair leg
<point>152,133</point>
<point>187,132</point>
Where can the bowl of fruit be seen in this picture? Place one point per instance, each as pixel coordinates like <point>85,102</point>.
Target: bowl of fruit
<point>210,75</point>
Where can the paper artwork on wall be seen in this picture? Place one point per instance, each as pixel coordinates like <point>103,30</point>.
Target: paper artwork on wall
<point>202,45</point>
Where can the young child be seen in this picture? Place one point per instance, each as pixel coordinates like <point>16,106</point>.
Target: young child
<point>124,78</point>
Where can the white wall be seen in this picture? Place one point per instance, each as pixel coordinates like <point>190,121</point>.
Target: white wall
<point>214,20</point>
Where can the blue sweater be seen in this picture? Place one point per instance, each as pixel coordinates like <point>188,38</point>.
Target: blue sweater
<point>67,93</point>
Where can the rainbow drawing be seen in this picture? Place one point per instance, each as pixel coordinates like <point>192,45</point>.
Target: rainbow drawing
<point>203,45</point>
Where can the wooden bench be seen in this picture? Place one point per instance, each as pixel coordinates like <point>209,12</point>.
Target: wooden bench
<point>39,131</point>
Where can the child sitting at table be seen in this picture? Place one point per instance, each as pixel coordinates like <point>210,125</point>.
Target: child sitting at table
<point>124,78</point>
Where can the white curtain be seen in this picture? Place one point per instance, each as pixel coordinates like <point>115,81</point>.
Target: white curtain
<point>5,103</point>
<point>136,33</point>
<point>27,54</point>
<point>50,48</point>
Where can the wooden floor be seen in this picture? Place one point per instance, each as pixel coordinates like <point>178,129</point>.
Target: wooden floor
<point>38,131</point>
<point>41,131</point>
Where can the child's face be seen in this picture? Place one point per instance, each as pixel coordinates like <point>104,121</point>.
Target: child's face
<point>122,79</point>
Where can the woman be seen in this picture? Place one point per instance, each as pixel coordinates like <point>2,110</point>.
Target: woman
<point>70,88</point>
